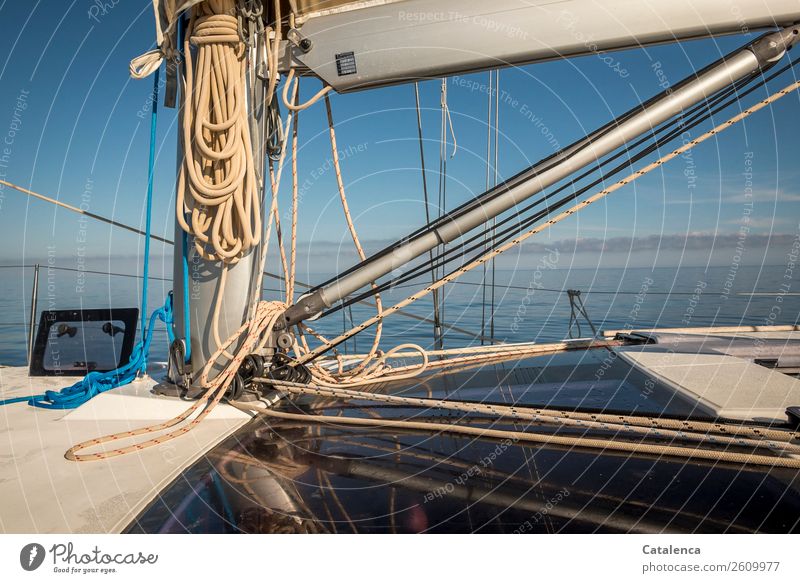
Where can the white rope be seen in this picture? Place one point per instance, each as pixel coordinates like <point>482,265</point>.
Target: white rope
<point>167,13</point>
<point>703,432</point>
<point>217,184</point>
<point>146,64</point>
<point>305,105</point>
<point>603,444</point>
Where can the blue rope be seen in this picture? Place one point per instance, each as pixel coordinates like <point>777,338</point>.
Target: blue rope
<point>15,400</point>
<point>187,337</point>
<point>95,383</point>
<point>150,172</point>
<point>186,313</point>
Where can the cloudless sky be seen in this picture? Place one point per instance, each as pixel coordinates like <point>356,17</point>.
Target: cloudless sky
<point>83,138</point>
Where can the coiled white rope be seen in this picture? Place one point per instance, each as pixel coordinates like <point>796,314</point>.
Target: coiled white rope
<point>217,185</point>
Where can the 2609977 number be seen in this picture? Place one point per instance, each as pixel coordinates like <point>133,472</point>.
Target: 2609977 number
<point>753,566</point>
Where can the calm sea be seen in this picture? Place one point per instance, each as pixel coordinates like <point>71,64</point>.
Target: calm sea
<point>528,304</point>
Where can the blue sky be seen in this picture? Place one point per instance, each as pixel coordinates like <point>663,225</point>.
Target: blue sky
<point>83,138</point>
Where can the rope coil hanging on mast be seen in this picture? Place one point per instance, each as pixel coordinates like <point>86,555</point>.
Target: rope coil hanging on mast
<point>217,185</point>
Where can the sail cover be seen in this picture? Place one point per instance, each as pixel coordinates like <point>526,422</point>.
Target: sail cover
<point>309,8</point>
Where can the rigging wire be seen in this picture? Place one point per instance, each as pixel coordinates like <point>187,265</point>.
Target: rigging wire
<point>437,321</point>
<point>576,310</point>
<point>445,117</point>
<point>491,181</point>
<point>80,211</point>
<point>486,189</point>
<point>496,178</point>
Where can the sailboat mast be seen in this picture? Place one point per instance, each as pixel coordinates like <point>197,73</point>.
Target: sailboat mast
<point>221,182</point>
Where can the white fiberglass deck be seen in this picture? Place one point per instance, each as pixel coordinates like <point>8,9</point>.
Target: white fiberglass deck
<point>717,369</point>
<point>43,492</point>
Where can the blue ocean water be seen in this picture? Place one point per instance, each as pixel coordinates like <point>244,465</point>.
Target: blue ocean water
<point>530,305</point>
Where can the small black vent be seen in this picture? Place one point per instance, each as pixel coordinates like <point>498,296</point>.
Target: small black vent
<point>767,362</point>
<point>793,413</point>
<point>346,64</point>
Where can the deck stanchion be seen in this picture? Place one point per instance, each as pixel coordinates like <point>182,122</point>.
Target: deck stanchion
<point>34,303</point>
